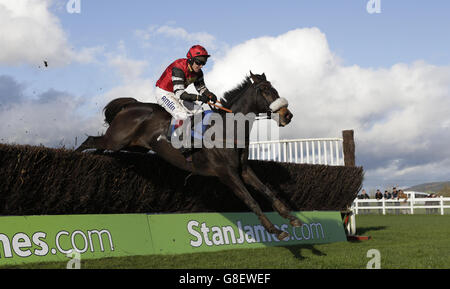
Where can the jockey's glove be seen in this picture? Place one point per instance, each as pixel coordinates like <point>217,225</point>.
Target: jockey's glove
<point>203,98</point>
<point>189,96</point>
<point>211,96</point>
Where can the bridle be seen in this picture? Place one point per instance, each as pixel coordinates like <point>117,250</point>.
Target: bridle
<point>275,105</point>
<point>259,87</point>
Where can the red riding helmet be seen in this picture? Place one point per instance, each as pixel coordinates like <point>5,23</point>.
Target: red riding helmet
<point>197,50</point>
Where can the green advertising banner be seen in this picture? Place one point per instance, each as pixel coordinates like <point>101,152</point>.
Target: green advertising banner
<point>63,238</point>
<point>190,233</point>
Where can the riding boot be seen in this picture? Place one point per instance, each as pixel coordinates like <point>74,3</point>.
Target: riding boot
<point>189,151</point>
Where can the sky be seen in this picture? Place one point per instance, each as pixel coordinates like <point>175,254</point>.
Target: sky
<point>385,75</point>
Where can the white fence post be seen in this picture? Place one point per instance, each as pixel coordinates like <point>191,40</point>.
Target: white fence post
<point>442,205</point>
<point>384,206</point>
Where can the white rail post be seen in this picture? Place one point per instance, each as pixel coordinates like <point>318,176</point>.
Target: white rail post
<point>290,152</point>
<point>384,206</point>
<point>313,148</point>
<point>279,152</point>
<point>319,151</point>
<point>272,150</point>
<point>307,152</point>
<point>338,160</point>
<point>331,152</point>
<point>296,151</point>
<point>411,202</point>
<point>442,206</point>
<point>301,152</point>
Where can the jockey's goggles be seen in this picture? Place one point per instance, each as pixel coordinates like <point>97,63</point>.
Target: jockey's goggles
<point>199,61</point>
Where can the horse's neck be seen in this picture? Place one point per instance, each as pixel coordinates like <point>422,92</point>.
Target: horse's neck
<point>246,105</point>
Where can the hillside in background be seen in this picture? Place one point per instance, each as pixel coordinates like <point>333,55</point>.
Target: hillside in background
<point>443,188</point>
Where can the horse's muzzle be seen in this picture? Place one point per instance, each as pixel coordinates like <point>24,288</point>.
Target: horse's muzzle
<point>285,116</point>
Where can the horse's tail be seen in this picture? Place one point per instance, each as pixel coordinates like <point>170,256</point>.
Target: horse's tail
<point>115,106</point>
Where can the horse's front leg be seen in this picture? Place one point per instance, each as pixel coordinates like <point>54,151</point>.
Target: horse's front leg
<point>233,181</point>
<point>250,178</point>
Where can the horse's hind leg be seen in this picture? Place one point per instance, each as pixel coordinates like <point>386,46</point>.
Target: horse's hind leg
<point>92,142</point>
<point>235,183</point>
<point>250,178</point>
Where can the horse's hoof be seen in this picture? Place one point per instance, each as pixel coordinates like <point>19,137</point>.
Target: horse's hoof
<point>283,236</point>
<point>296,223</point>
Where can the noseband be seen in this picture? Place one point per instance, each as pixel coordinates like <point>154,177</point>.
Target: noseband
<point>277,104</point>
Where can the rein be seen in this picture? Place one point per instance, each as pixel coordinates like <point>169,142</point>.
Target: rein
<point>278,103</point>
<point>219,107</point>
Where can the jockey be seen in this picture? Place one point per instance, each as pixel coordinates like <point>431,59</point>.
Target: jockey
<point>170,91</point>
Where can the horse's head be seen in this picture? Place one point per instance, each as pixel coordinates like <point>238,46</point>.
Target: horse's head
<point>268,99</point>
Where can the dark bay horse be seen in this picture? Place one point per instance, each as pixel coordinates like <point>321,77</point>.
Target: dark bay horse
<point>136,124</point>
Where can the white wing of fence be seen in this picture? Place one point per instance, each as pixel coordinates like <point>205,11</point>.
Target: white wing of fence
<point>324,151</point>
<point>410,206</point>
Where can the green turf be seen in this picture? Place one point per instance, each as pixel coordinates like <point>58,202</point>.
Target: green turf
<point>410,241</point>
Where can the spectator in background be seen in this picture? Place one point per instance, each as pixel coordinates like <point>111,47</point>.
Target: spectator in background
<point>394,193</point>
<point>387,195</point>
<point>364,195</point>
<point>378,195</point>
<point>395,196</point>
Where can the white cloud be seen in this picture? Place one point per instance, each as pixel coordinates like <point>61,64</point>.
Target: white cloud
<point>141,89</point>
<point>401,112</point>
<point>202,38</point>
<point>131,73</point>
<point>128,69</point>
<point>50,119</point>
<point>30,34</point>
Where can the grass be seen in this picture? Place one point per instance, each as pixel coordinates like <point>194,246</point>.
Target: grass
<point>410,241</point>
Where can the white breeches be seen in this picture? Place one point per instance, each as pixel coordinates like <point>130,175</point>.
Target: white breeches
<point>171,104</point>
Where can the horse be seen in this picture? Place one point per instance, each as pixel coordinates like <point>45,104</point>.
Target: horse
<point>137,124</point>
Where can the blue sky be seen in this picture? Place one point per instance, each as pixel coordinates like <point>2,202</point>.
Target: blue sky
<point>404,31</point>
<point>387,72</point>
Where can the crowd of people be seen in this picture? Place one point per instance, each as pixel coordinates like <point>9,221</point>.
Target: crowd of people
<point>394,194</point>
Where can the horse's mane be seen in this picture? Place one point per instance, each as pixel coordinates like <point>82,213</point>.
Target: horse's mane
<point>231,96</point>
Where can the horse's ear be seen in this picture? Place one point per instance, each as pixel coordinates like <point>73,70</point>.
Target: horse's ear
<point>253,77</point>
<point>264,76</point>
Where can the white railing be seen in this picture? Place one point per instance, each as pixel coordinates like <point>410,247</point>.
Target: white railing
<point>324,151</point>
<point>410,206</point>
